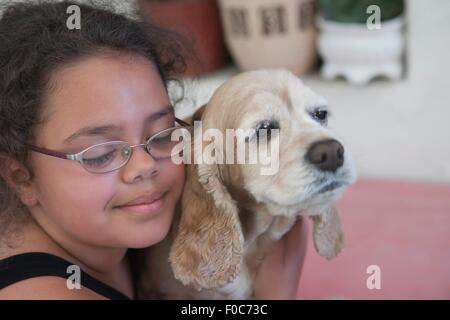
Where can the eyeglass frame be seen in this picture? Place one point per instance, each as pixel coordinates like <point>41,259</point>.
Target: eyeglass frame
<point>78,156</point>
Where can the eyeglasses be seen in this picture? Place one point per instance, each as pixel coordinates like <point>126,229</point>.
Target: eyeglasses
<point>113,155</point>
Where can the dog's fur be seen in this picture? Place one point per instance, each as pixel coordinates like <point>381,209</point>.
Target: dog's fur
<point>230,213</point>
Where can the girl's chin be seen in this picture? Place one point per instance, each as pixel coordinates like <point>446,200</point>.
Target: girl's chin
<point>144,238</point>
<point>143,243</point>
<point>141,230</point>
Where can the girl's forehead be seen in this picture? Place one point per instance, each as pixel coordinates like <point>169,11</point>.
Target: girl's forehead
<point>106,80</point>
<point>103,89</point>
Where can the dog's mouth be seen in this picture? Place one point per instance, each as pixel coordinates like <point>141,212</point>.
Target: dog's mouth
<point>331,183</point>
<point>330,186</point>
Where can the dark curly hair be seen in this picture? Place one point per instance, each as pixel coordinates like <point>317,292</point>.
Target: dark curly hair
<point>34,43</point>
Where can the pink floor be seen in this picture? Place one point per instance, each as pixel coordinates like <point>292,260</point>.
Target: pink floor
<point>404,228</point>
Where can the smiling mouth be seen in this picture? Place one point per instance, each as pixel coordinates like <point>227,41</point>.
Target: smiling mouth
<point>147,207</point>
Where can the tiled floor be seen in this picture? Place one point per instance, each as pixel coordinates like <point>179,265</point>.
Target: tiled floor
<point>404,228</point>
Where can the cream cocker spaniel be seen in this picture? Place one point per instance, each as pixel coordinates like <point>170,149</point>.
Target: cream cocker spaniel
<point>229,213</point>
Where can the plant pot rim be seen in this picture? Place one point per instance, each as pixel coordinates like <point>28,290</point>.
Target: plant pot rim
<point>393,24</point>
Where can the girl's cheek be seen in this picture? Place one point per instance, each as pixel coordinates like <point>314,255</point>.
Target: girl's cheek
<point>85,194</point>
<point>173,175</point>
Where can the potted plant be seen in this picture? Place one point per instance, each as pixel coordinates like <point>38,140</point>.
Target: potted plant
<point>199,22</point>
<point>361,39</point>
<point>270,33</point>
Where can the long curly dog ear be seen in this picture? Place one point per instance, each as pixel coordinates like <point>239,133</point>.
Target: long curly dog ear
<point>328,234</point>
<point>208,246</point>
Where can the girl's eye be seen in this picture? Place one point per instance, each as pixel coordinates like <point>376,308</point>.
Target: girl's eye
<point>101,160</point>
<point>162,132</point>
<point>320,115</point>
<point>162,138</point>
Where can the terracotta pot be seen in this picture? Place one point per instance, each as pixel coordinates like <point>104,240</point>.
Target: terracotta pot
<point>199,22</point>
<point>270,33</point>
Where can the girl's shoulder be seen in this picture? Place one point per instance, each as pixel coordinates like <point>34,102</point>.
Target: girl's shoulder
<point>40,269</point>
<point>15,260</point>
<point>21,279</point>
<point>46,288</point>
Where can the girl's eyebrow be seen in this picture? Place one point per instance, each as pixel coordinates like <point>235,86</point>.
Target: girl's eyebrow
<point>105,128</point>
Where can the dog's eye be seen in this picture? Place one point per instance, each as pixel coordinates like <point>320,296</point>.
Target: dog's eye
<point>265,127</point>
<point>320,115</point>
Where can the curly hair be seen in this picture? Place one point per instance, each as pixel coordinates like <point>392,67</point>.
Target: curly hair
<point>34,43</point>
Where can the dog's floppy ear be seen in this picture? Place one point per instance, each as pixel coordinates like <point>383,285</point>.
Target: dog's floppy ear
<point>328,235</point>
<point>208,246</point>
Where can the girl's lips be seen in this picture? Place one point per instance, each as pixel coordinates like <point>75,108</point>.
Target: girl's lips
<point>146,208</point>
<point>144,199</point>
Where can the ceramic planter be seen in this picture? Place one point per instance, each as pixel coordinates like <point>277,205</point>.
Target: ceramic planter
<point>270,33</point>
<point>359,54</point>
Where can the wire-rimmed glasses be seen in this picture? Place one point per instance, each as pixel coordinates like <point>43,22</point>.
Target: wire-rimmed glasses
<point>113,155</point>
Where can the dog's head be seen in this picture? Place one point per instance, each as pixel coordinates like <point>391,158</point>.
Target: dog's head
<point>284,157</point>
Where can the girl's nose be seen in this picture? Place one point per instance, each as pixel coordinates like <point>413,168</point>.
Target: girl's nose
<point>140,166</point>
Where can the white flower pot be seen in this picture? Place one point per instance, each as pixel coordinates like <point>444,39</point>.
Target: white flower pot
<point>359,54</point>
<point>270,33</point>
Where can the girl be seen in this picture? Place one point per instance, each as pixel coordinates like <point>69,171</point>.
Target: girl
<point>66,98</point>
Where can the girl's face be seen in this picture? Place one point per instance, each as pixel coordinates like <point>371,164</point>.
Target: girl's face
<point>117,98</point>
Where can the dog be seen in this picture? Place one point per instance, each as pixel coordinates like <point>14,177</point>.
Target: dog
<point>230,213</point>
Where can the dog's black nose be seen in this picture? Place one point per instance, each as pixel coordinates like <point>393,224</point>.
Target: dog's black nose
<point>326,155</point>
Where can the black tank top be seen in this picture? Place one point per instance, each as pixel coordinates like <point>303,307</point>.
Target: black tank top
<point>37,264</point>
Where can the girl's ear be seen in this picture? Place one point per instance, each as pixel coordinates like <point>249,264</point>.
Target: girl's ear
<point>18,179</point>
<point>328,235</point>
<point>208,246</point>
